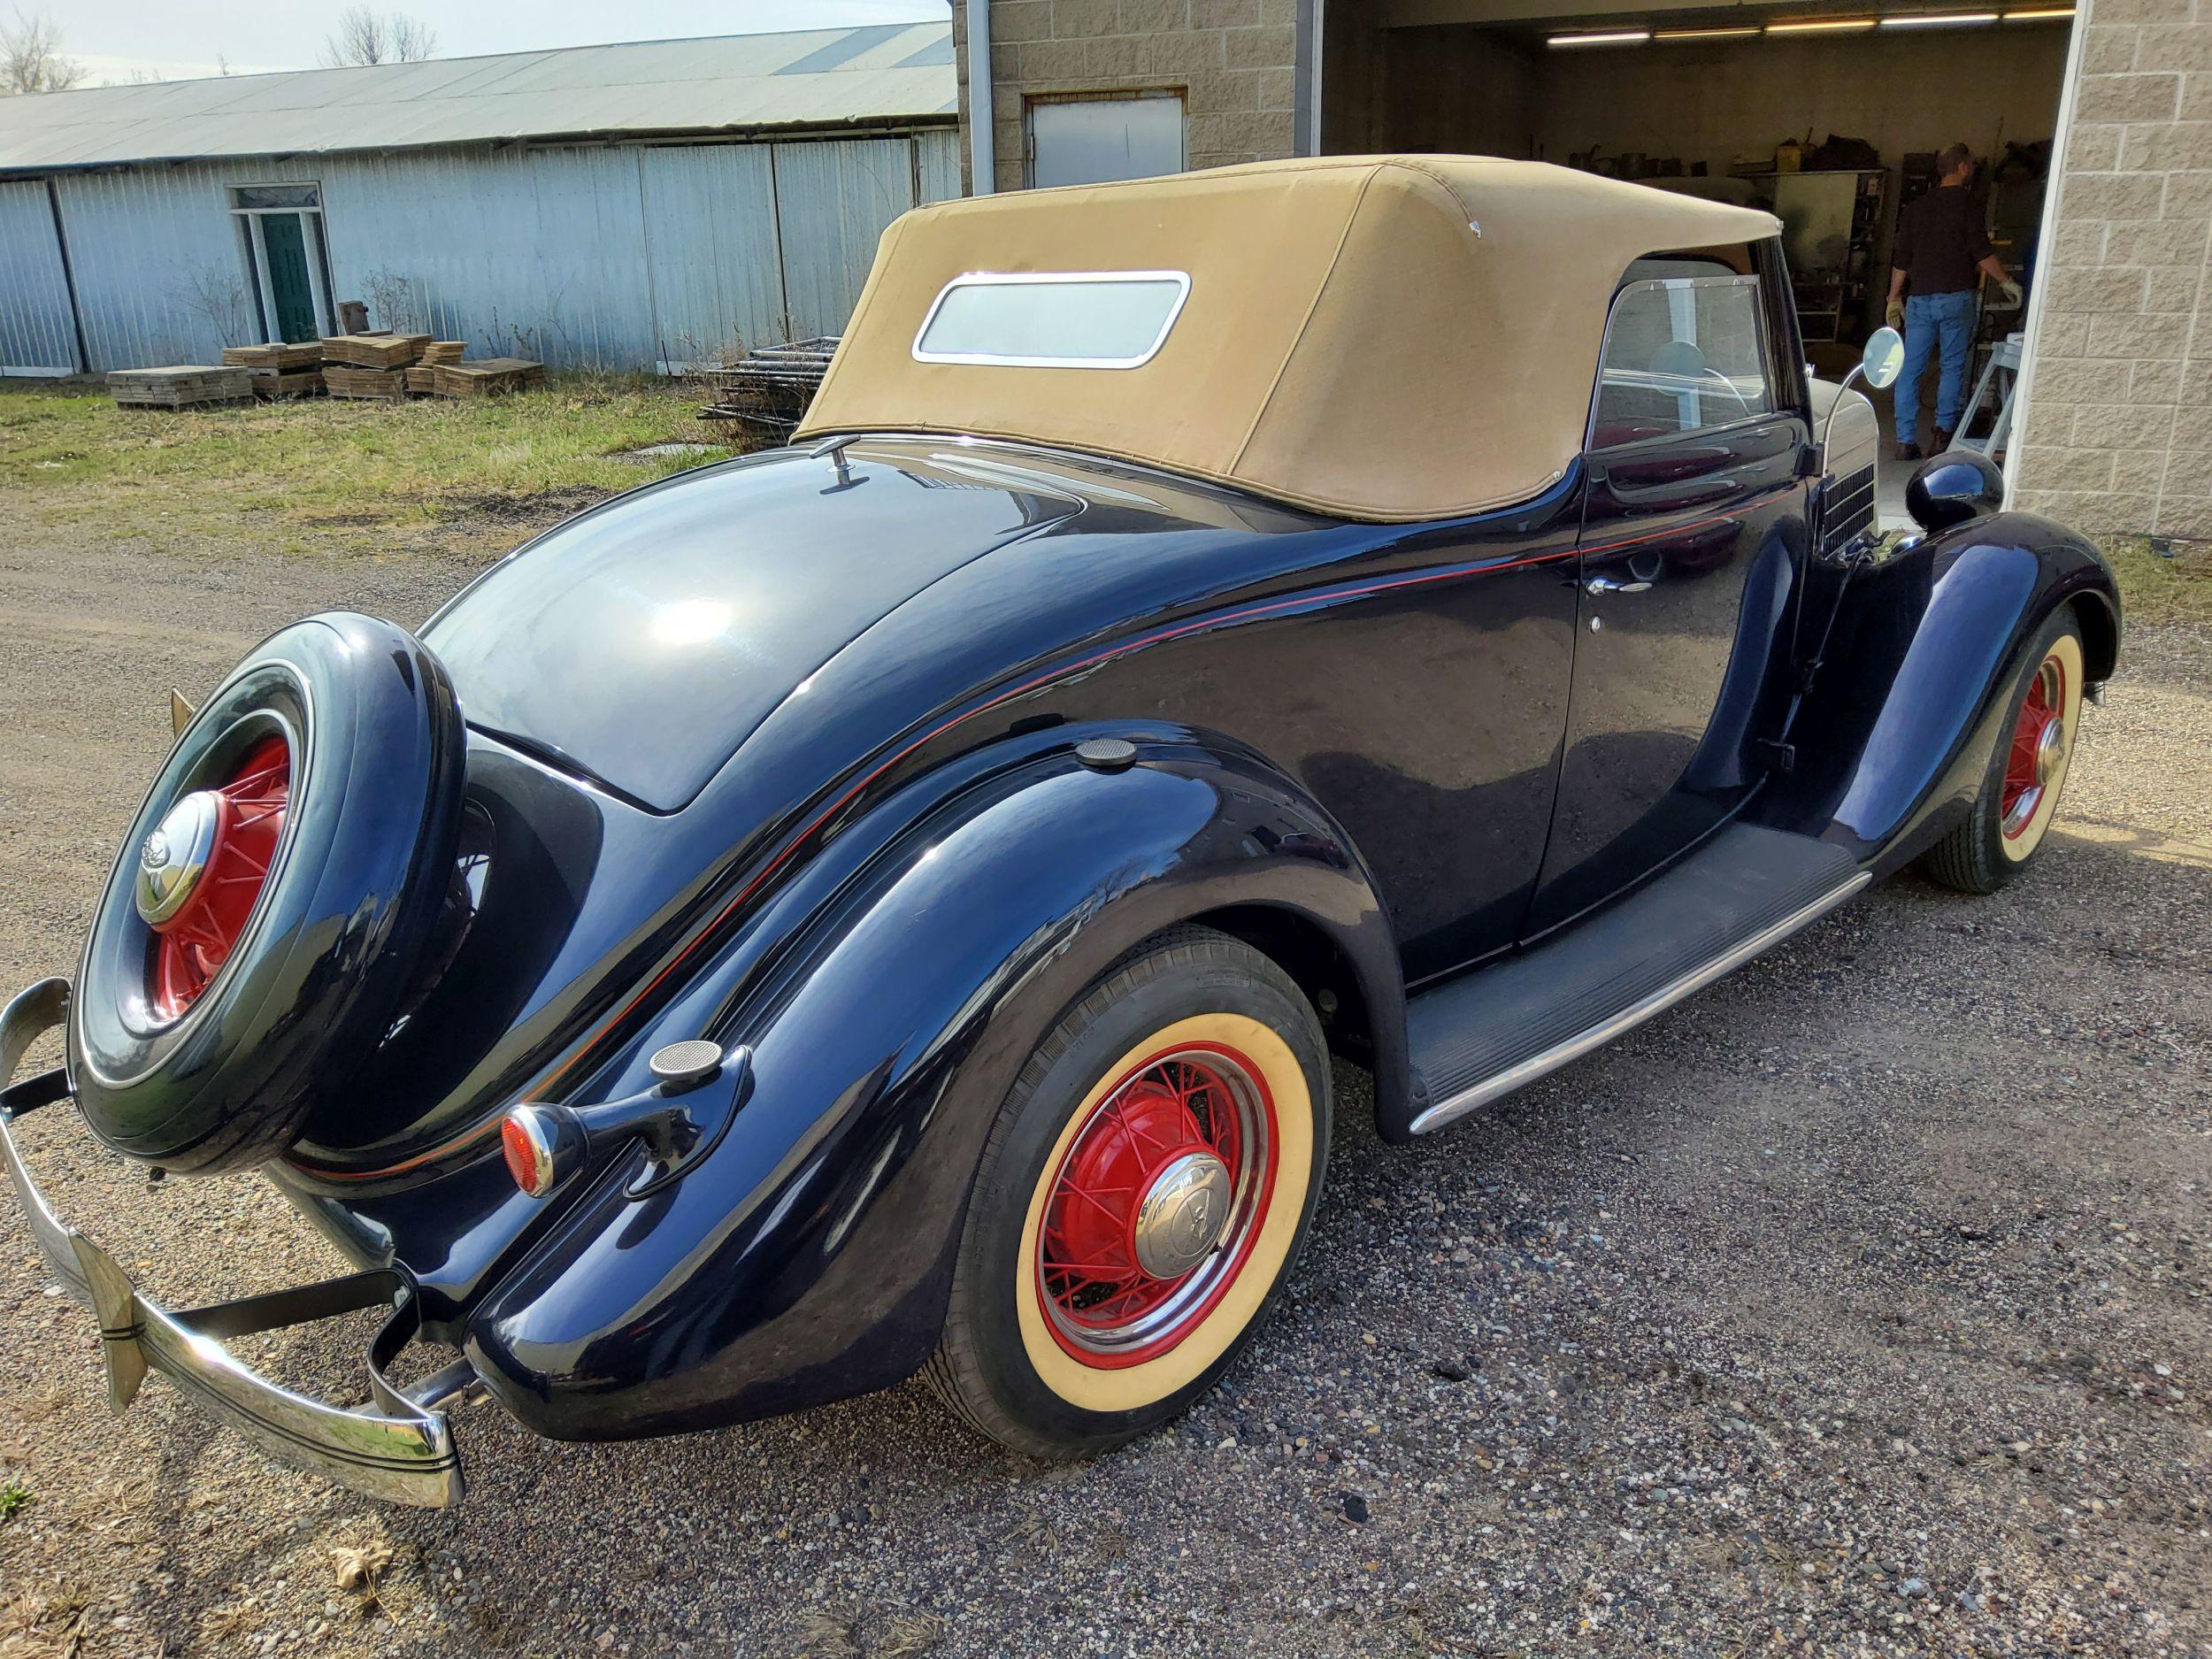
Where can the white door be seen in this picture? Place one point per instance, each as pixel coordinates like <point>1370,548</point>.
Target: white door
<point>1088,141</point>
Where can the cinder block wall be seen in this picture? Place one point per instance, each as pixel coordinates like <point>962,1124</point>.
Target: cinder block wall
<point>2119,401</point>
<point>1230,60</point>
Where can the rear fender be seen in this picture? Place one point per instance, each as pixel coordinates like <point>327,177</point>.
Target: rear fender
<point>1899,723</point>
<point>808,1256</point>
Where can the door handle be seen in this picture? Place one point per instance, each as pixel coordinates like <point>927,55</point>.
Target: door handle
<point>1598,584</point>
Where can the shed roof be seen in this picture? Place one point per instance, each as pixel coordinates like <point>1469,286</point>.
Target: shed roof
<point>809,77</point>
<point>1384,337</point>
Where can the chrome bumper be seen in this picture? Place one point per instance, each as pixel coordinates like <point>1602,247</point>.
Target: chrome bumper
<point>399,1448</point>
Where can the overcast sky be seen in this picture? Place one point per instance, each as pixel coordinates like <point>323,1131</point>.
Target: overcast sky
<point>174,39</point>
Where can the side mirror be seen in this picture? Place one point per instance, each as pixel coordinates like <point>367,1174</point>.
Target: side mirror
<point>1883,359</point>
<point>1954,486</point>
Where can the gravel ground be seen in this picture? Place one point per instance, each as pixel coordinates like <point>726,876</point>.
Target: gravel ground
<point>1857,1306</point>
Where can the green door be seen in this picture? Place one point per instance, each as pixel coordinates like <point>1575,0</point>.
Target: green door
<point>288,285</point>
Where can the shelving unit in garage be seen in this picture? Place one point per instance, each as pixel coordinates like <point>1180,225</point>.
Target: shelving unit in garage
<point>1831,225</point>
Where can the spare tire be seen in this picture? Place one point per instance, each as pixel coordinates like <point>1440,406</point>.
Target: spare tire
<point>274,899</point>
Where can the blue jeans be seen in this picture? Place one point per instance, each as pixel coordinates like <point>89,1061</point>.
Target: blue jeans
<point>1943,324</point>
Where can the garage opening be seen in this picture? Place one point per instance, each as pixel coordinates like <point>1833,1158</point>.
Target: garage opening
<point>1831,118</point>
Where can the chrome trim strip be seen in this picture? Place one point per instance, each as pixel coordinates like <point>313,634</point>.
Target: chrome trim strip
<point>393,1450</point>
<point>1597,1035</point>
<point>1019,279</point>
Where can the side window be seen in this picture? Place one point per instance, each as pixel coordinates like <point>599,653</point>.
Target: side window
<point>1682,353</point>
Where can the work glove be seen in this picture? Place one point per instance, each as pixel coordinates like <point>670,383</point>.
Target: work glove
<point>1895,315</point>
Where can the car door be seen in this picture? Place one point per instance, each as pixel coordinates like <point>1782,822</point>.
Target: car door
<point>1694,510</point>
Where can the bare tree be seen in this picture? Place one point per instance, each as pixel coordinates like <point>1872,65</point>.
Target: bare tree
<point>363,36</point>
<point>30,56</point>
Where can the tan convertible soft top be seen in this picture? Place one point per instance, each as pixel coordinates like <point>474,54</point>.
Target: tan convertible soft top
<point>1386,337</point>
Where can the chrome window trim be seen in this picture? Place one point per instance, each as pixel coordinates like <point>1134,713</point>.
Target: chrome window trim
<point>1590,445</point>
<point>1022,279</point>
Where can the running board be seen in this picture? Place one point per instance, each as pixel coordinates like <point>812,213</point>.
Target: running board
<point>1746,890</point>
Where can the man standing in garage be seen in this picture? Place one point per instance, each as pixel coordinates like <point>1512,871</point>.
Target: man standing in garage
<point>1941,248</point>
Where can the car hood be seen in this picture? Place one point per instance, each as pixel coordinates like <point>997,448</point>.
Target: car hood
<point>641,643</point>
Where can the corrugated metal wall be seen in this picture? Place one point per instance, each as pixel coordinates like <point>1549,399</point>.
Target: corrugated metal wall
<point>36,336</point>
<point>585,257</point>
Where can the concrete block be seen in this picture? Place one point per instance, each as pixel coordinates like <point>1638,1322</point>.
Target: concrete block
<point>2096,147</point>
<point>2167,147</point>
<point>2189,195</point>
<point>2076,381</point>
<point>1187,53</point>
<point>2155,241</point>
<point>1086,19</point>
<point>2172,46</point>
<point>1014,21</point>
<point>2131,97</point>
<point>1260,48</point>
<point>2062,337</point>
<point>2141,336</point>
<point>2151,383</point>
<point>2102,291</point>
<point>1154,16</point>
<point>2049,467</point>
<point>1221,91</point>
<point>2110,49</point>
<point>2173,288</point>
<point>2111,196</point>
<point>1119,58</point>
<point>1224,14</point>
<point>2124,426</point>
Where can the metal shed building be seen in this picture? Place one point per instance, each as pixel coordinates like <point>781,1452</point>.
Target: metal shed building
<point>594,207</point>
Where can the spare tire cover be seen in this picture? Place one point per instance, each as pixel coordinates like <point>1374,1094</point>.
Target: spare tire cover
<point>273,898</point>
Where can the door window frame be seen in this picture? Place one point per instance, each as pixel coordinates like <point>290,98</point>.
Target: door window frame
<point>254,244</point>
<point>1778,394</point>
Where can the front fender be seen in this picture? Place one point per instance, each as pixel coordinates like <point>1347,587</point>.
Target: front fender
<point>808,1256</point>
<point>1898,726</point>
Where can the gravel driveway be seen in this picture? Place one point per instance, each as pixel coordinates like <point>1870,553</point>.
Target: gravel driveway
<point>1859,1306</point>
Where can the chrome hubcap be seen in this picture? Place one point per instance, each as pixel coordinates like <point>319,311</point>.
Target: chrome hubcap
<point>2050,750</point>
<point>171,862</point>
<point>1183,1215</point>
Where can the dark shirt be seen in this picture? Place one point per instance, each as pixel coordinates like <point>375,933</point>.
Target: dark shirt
<point>1939,241</point>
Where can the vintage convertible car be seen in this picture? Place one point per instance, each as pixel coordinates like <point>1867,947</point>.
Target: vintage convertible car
<point>889,904</point>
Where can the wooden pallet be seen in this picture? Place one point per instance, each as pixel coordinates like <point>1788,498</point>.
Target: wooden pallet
<point>181,386</point>
<point>487,376</point>
<point>277,356</point>
<point>375,351</point>
<point>304,383</point>
<point>381,385</point>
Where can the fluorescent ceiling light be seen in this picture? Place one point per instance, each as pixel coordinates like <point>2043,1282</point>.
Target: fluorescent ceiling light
<point>1617,37</point>
<point>1821,26</point>
<point>1937,20</point>
<point>1703,35</point>
<point>2056,14</point>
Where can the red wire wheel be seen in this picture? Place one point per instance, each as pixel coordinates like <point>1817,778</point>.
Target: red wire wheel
<point>1154,1206</point>
<point>2039,748</point>
<point>240,821</point>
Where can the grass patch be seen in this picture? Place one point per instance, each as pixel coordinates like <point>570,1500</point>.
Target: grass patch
<point>2155,588</point>
<point>322,471</point>
<point>13,1496</point>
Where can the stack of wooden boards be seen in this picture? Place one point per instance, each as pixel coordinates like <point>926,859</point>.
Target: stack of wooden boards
<point>383,366</point>
<point>422,373</point>
<point>769,389</point>
<point>181,386</point>
<point>279,369</point>
<point>370,365</point>
<point>487,376</point>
